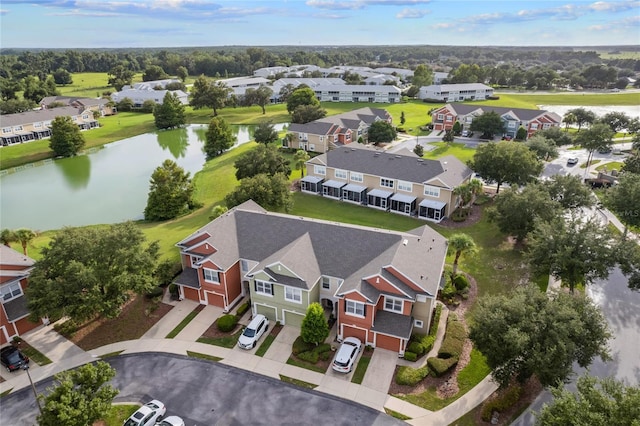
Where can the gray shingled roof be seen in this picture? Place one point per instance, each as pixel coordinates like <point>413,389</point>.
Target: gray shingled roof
<point>313,127</point>
<point>287,280</point>
<point>27,117</point>
<point>392,323</point>
<point>521,113</point>
<point>16,308</point>
<point>188,278</point>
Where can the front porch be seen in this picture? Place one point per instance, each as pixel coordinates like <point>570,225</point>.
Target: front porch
<point>354,194</point>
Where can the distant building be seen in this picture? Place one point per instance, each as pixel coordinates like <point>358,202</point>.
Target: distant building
<point>456,92</point>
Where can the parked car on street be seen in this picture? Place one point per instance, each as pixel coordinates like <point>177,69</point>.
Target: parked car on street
<point>171,421</point>
<point>12,359</point>
<point>252,333</point>
<point>572,161</point>
<point>346,355</point>
<point>149,414</point>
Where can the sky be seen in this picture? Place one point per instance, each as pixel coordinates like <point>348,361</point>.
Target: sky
<point>175,23</point>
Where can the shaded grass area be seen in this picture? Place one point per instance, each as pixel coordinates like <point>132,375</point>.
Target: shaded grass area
<point>297,382</point>
<point>111,354</point>
<point>5,393</point>
<point>361,369</point>
<point>396,414</point>
<point>264,347</point>
<point>469,376</point>
<point>186,320</point>
<point>118,414</point>
<point>34,354</point>
<point>204,356</point>
<point>458,150</point>
<point>307,365</point>
<point>136,318</point>
<point>224,341</point>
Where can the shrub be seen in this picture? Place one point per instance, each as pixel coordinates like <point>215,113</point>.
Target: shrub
<point>453,340</point>
<point>67,328</point>
<point>439,366</point>
<point>449,291</point>
<point>436,320</point>
<point>166,271</point>
<point>155,292</point>
<point>502,402</point>
<point>173,289</point>
<point>300,346</point>
<point>410,376</point>
<point>460,282</point>
<point>243,308</point>
<point>226,323</point>
<point>309,356</point>
<point>325,356</point>
<point>416,347</point>
<point>411,356</point>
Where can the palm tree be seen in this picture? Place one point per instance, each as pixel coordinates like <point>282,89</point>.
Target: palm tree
<point>464,192</point>
<point>569,118</point>
<point>7,236</point>
<point>25,236</point>
<point>460,244</point>
<point>476,187</point>
<point>300,158</point>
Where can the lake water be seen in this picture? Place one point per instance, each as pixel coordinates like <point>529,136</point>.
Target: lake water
<point>109,184</point>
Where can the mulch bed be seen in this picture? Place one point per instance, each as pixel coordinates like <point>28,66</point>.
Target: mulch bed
<point>137,316</point>
<point>530,390</point>
<point>474,216</point>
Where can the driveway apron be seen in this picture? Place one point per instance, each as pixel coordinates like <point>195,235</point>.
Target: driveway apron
<point>380,370</point>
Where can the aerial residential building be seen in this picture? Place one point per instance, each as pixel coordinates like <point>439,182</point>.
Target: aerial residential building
<point>455,92</point>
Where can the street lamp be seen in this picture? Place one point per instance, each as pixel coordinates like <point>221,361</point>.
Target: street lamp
<point>25,367</point>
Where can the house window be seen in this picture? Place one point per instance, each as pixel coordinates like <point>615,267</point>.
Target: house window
<point>85,116</point>
<point>319,170</point>
<point>392,304</point>
<point>293,294</point>
<point>6,130</point>
<point>321,138</point>
<point>356,177</point>
<point>450,118</point>
<point>326,283</point>
<point>10,291</point>
<point>211,276</point>
<point>352,307</point>
<point>512,124</point>
<point>534,126</point>
<point>340,174</point>
<point>17,128</point>
<point>546,126</point>
<point>387,183</point>
<point>405,186</point>
<point>263,287</point>
<point>418,323</point>
<point>432,191</point>
<point>300,136</point>
<point>37,125</point>
<point>440,116</point>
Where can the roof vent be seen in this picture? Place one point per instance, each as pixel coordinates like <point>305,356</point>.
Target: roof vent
<point>377,280</point>
<point>397,156</point>
<point>206,246</point>
<point>405,242</point>
<point>353,149</point>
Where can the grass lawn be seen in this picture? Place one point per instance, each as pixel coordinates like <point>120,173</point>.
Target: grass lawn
<point>204,356</point>
<point>584,165</point>
<point>297,382</point>
<point>225,341</point>
<point>88,84</point>
<point>361,369</point>
<point>173,333</point>
<point>34,354</point>
<point>307,365</point>
<point>610,166</point>
<point>118,414</point>
<point>5,393</point>
<point>458,150</point>
<point>396,414</point>
<point>468,377</point>
<point>264,347</point>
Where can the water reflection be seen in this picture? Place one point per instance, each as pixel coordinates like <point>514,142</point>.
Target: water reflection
<point>174,140</point>
<point>76,171</point>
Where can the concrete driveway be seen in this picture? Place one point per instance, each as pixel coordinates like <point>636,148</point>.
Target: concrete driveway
<point>380,371</point>
<point>280,349</point>
<point>208,393</point>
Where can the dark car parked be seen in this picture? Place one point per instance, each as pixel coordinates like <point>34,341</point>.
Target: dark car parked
<point>12,359</point>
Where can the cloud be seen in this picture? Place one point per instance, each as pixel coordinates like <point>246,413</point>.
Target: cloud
<point>622,24</point>
<point>361,4</point>
<point>412,13</point>
<point>621,6</point>
<point>3,11</point>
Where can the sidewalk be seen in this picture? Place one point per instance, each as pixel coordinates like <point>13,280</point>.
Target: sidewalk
<point>372,392</point>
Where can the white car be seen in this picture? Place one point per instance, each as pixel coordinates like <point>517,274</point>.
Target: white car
<point>147,415</point>
<point>171,421</point>
<point>346,355</point>
<point>572,161</point>
<point>252,333</point>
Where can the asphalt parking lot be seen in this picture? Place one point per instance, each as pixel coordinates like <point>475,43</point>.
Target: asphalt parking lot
<point>206,393</point>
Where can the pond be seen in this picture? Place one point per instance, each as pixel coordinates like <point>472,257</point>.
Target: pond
<point>109,184</point>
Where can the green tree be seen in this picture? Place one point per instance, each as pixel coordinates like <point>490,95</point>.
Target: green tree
<point>170,192</point>
<point>506,161</point>
<point>575,251</point>
<point>307,113</point>
<point>182,73</point>
<point>515,212</point>
<point>456,129</point>
<point>569,119</point>
<point>300,159</point>
<point>271,192</point>
<point>489,124</point>
<point>418,150</point>
<point>448,136</point>
<point>460,244</point>
<point>91,272</point>
<point>125,104</point>
<point>623,199</point>
<point>381,132</point>
<point>170,113</point>
<point>616,120</point>
<point>545,149</point>
<point>632,164</point>
<point>526,332</point>
<point>301,96</point>
<point>66,138</point>
<point>62,76</point>
<point>581,116</point>
<point>422,76</point>
<point>206,94</point>
<point>153,73</point>
<point>8,236</point>
<point>219,138</point>
<point>265,133</point>
<point>217,211</point>
<point>555,134</point>
<point>260,96</point>
<point>569,191</point>
<point>80,397</point>
<point>24,236</point>
<point>597,137</point>
<point>314,328</point>
<point>596,402</point>
<point>263,159</point>
<point>402,119</point>
<point>521,134</point>
<point>119,76</point>
<point>148,106</point>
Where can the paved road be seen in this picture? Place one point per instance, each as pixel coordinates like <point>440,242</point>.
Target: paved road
<point>621,307</point>
<point>205,393</point>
